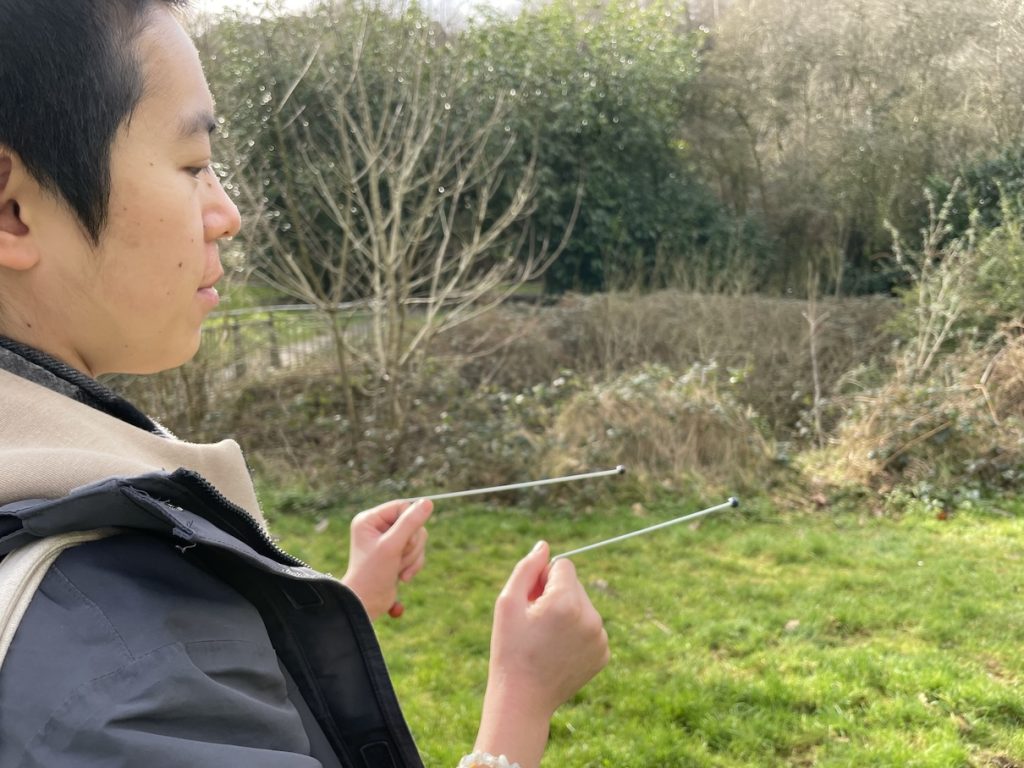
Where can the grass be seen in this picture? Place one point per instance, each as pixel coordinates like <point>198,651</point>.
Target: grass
<point>760,638</point>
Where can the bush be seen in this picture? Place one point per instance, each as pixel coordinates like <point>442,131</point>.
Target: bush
<point>961,429</point>
<point>988,185</point>
<point>604,335</point>
<point>951,415</point>
<point>528,392</point>
<point>664,427</point>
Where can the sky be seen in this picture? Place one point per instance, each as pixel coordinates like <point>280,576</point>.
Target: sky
<point>444,10</point>
<point>218,6</point>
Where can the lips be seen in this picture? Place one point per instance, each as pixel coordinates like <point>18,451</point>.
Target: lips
<point>214,279</point>
<point>207,292</point>
<point>211,283</point>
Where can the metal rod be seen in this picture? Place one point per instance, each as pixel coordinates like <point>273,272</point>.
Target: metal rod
<point>619,470</point>
<point>732,502</point>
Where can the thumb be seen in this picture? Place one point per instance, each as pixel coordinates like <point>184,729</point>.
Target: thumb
<point>409,521</point>
<point>527,579</point>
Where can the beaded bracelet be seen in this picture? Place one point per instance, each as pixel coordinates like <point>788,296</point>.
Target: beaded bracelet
<point>485,760</point>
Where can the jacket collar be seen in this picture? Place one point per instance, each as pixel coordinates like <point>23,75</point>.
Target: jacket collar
<point>60,430</point>
<point>40,368</point>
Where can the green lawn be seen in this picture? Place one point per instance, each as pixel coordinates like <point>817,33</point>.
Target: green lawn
<point>761,638</point>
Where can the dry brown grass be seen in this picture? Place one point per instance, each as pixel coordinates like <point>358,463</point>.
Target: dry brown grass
<point>1002,380</point>
<point>961,426</point>
<point>604,335</point>
<point>671,384</point>
<point>664,427</point>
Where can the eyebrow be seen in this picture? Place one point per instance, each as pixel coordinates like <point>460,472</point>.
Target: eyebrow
<point>197,123</point>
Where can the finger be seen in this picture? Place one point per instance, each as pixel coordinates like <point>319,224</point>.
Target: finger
<point>562,572</point>
<point>415,545</point>
<point>385,515</point>
<point>412,559</point>
<point>562,578</point>
<point>528,573</point>
<point>409,522</point>
<point>415,567</point>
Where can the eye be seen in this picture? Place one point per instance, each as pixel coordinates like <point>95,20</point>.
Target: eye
<point>196,170</point>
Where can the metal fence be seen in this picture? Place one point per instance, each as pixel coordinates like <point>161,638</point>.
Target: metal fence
<point>240,343</point>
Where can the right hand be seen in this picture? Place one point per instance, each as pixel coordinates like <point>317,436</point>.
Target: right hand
<point>547,642</point>
<point>548,639</point>
<point>388,546</point>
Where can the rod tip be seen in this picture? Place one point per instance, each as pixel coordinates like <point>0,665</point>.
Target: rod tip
<point>621,469</point>
<point>733,501</point>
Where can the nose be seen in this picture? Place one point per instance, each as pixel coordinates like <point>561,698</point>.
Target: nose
<point>220,215</point>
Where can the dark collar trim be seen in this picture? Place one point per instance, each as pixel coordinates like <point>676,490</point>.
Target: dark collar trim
<point>86,390</point>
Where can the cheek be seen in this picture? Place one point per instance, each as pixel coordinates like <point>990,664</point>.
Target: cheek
<point>133,221</point>
<point>162,219</point>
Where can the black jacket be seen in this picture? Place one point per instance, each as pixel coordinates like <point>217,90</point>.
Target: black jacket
<point>188,639</point>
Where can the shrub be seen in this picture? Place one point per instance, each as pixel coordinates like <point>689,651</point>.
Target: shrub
<point>664,426</point>
<point>529,392</point>
<point>602,336</point>
<point>962,428</point>
<point>951,415</point>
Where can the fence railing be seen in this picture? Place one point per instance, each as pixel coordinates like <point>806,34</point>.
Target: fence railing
<point>244,342</point>
<point>239,343</point>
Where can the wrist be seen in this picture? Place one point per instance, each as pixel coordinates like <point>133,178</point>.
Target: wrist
<point>486,760</point>
<point>513,724</point>
<point>358,589</point>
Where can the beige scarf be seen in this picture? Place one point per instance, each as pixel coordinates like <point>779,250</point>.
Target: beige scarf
<point>51,444</point>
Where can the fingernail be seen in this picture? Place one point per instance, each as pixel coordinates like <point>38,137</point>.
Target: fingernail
<point>538,545</point>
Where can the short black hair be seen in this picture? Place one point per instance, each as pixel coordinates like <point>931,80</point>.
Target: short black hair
<point>69,77</point>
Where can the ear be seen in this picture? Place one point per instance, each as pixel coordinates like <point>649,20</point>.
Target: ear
<point>16,251</point>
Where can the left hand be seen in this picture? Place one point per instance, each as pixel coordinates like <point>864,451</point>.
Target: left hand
<point>388,545</point>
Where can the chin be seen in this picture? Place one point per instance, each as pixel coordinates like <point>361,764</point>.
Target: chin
<point>169,358</point>
<point>186,357</point>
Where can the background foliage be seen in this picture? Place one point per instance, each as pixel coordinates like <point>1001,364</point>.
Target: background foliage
<point>734,185</point>
<point>763,152</point>
<point>793,147</point>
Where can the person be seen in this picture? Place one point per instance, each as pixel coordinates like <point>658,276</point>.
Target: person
<point>146,617</point>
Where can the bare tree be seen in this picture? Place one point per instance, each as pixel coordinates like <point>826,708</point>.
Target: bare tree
<point>829,116</point>
<point>392,193</point>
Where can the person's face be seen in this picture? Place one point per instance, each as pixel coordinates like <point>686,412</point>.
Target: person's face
<point>135,302</point>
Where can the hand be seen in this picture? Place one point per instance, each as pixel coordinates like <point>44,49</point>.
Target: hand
<point>388,545</point>
<point>548,641</point>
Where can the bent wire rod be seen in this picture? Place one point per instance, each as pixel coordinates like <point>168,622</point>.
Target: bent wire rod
<point>619,470</point>
<point>732,502</point>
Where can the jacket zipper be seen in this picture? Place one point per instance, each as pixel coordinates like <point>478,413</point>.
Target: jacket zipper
<point>248,519</point>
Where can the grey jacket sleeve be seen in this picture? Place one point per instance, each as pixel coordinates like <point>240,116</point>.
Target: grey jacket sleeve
<point>131,656</point>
